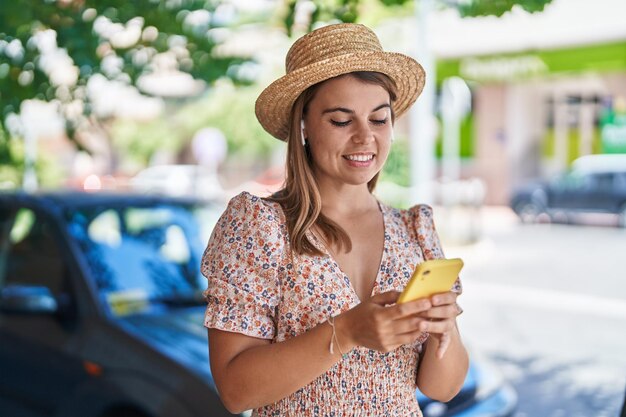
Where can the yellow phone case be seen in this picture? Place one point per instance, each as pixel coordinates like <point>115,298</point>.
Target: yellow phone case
<point>431,277</point>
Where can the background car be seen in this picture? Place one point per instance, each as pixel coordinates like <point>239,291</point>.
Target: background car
<point>595,184</point>
<point>101,312</point>
<point>178,180</point>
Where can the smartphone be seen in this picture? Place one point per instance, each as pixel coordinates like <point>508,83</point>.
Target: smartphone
<point>431,277</point>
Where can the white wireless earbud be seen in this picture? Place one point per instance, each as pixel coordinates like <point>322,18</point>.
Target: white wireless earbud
<point>392,136</point>
<point>302,132</point>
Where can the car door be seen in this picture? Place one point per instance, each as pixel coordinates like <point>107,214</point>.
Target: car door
<point>37,347</point>
<point>568,192</point>
<point>618,195</point>
<point>580,192</point>
<point>602,195</point>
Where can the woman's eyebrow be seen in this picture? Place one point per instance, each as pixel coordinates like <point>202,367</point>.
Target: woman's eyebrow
<point>335,109</point>
<point>382,106</point>
<point>345,110</point>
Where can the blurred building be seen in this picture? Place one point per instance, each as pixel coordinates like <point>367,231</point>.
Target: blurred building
<point>546,87</point>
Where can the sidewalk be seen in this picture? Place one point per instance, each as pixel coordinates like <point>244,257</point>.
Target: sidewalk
<point>465,226</point>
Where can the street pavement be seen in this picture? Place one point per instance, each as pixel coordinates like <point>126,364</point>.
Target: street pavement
<point>547,304</point>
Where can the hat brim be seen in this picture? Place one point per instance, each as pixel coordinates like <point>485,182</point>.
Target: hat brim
<point>273,106</point>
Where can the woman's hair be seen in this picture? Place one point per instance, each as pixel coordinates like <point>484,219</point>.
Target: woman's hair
<point>300,197</point>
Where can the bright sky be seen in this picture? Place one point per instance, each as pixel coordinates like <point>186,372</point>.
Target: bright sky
<point>563,23</point>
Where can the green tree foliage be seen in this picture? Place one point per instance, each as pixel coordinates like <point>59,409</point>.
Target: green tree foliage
<point>397,168</point>
<point>349,11</point>
<point>227,108</point>
<point>231,110</point>
<point>475,8</point>
<point>83,32</point>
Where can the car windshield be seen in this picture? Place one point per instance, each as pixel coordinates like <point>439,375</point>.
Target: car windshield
<point>144,257</point>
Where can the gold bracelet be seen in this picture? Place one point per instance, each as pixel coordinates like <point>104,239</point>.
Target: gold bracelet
<point>333,338</point>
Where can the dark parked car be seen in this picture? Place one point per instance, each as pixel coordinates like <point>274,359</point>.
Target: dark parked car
<point>101,312</point>
<point>595,184</point>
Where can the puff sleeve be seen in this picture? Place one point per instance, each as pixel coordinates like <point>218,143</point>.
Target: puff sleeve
<point>421,218</point>
<point>243,263</point>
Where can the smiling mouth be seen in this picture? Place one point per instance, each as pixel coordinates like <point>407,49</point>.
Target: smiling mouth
<point>359,158</point>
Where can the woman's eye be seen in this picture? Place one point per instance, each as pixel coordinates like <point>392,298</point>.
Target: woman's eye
<point>380,122</point>
<point>340,124</point>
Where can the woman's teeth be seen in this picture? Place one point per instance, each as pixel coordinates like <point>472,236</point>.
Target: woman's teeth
<point>359,158</point>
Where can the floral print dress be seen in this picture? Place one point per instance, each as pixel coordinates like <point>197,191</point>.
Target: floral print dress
<point>257,287</point>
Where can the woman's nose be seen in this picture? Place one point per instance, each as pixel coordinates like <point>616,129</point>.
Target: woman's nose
<point>363,133</point>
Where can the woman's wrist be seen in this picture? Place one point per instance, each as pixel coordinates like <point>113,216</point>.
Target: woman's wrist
<point>343,332</point>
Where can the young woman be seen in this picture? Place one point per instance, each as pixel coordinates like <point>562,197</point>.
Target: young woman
<point>302,285</point>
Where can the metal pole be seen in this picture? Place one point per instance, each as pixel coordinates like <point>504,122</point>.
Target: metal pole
<point>29,182</point>
<point>451,147</point>
<point>456,100</point>
<point>422,122</point>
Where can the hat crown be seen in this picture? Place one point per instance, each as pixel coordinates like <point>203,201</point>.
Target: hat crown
<point>330,42</point>
<point>329,52</point>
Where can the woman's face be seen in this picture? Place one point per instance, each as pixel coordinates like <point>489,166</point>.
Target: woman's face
<point>348,125</point>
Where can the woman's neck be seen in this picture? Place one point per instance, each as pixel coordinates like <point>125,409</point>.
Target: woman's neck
<point>346,199</point>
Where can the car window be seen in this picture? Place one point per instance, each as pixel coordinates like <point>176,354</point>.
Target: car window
<point>573,181</point>
<point>31,254</point>
<point>620,181</point>
<point>602,182</point>
<point>142,255</point>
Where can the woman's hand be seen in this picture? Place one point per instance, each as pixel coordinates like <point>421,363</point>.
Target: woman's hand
<point>441,319</point>
<point>382,325</point>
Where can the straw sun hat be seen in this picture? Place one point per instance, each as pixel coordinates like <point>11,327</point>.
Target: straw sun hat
<point>329,52</point>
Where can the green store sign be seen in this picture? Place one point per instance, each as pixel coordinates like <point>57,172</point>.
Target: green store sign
<point>613,134</point>
<point>518,66</point>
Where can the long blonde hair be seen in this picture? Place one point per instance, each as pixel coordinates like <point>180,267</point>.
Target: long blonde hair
<point>300,197</point>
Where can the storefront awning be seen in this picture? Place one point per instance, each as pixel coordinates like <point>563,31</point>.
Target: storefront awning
<point>608,57</point>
